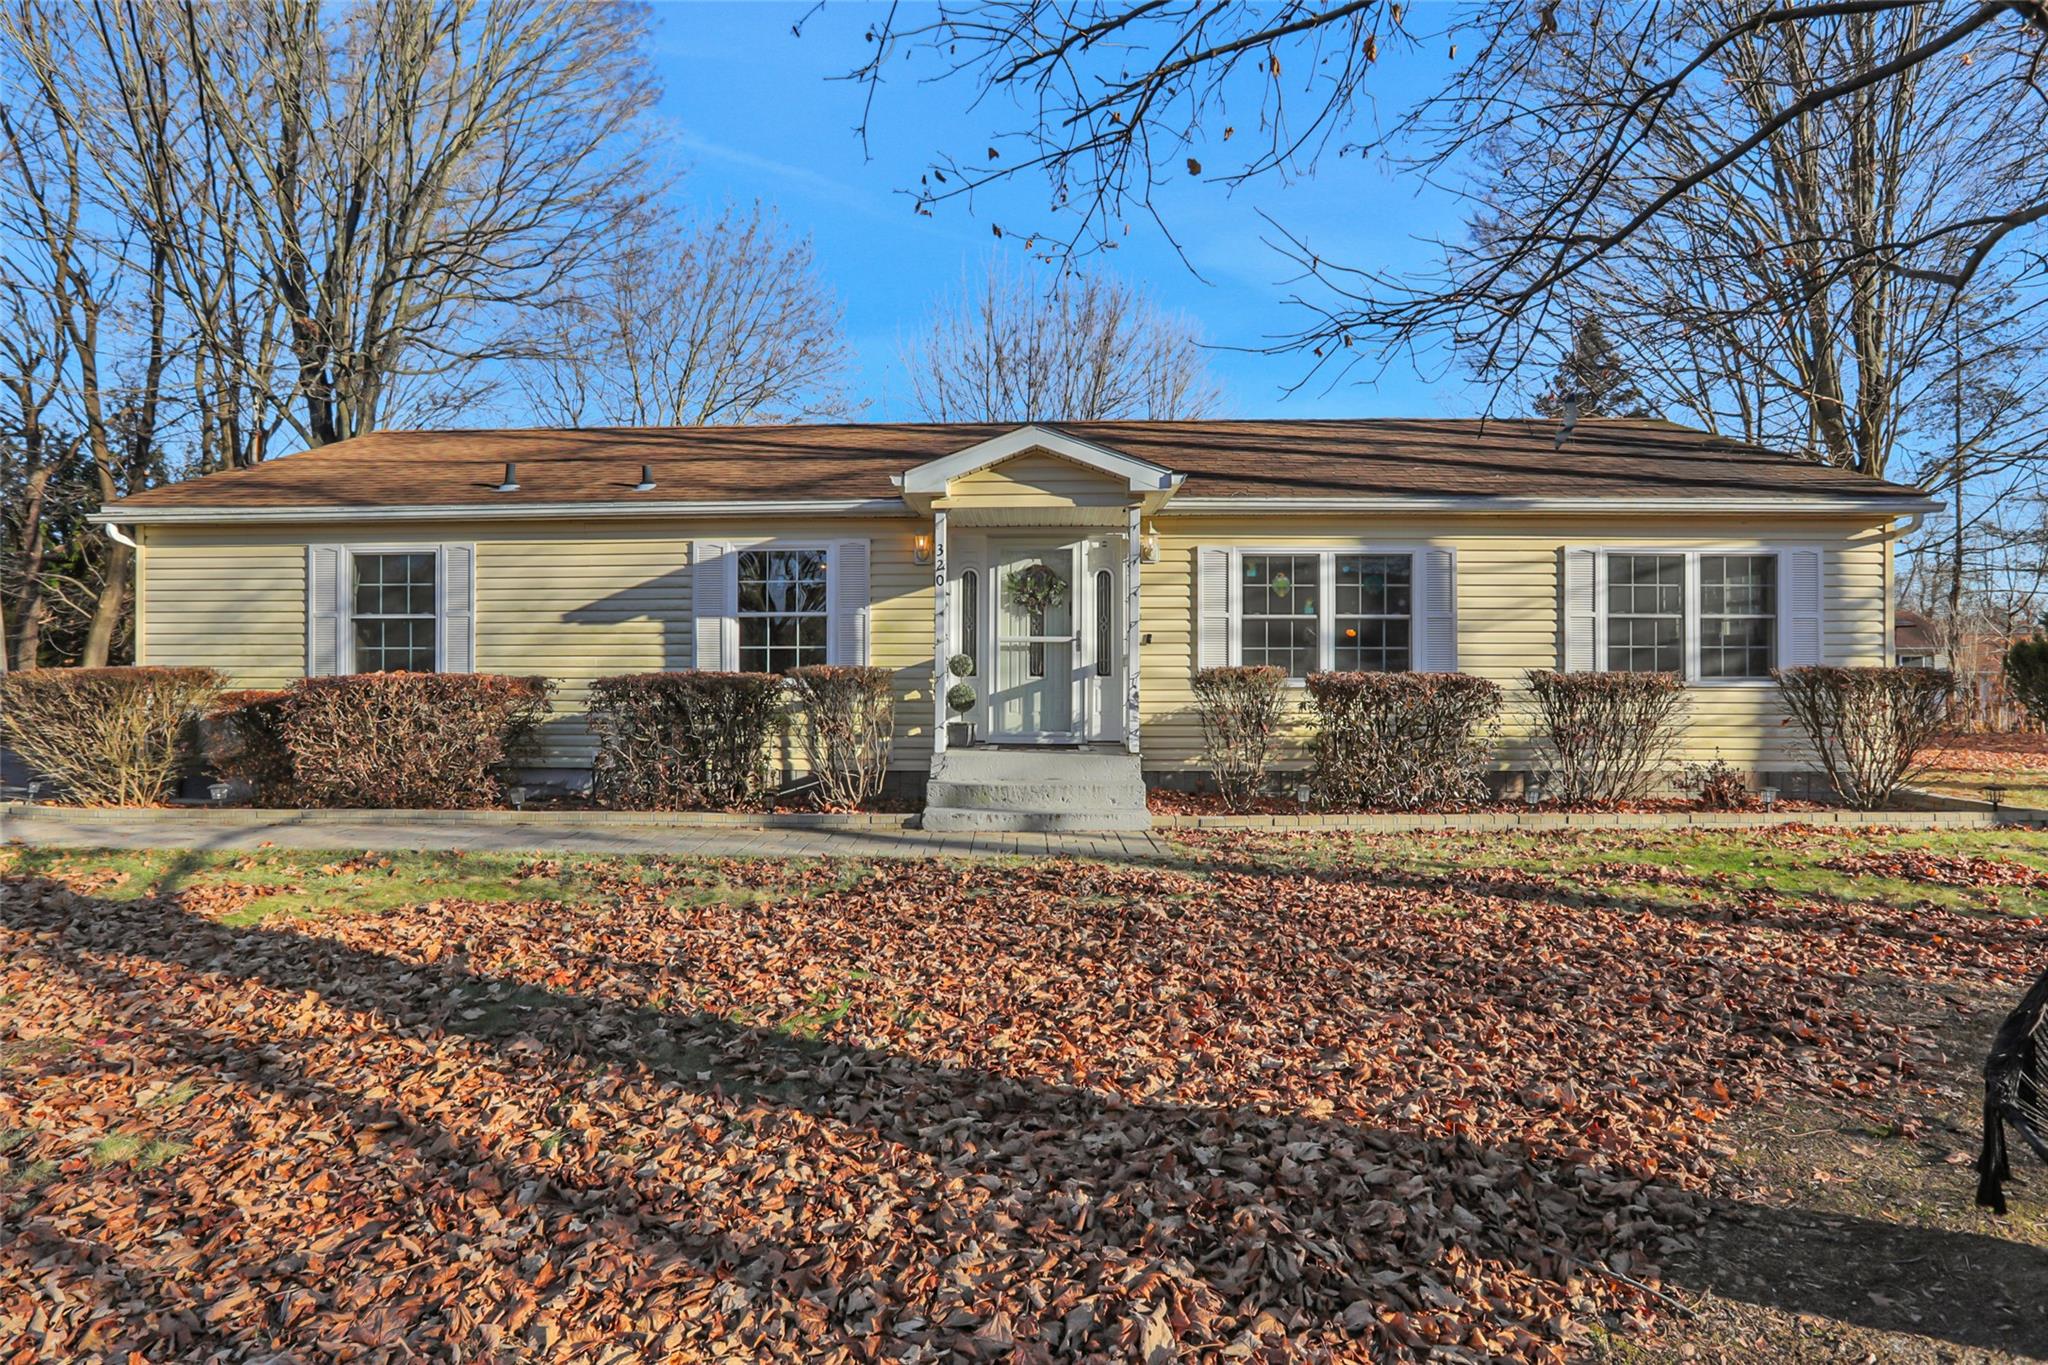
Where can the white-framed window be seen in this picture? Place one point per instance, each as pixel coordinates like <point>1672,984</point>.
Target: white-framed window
<point>1738,615</point>
<point>783,608</point>
<point>1375,612</point>
<point>1279,611</point>
<point>393,610</point>
<point>1306,611</point>
<point>1712,616</point>
<point>1645,613</point>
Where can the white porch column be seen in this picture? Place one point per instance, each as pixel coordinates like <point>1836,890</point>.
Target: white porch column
<point>1134,558</point>
<point>941,631</point>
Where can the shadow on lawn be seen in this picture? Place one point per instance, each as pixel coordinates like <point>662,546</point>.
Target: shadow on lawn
<point>1310,1218</point>
<point>1974,1290</point>
<point>1720,904</point>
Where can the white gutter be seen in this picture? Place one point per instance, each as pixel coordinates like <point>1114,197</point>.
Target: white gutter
<point>1616,506</point>
<point>474,511</point>
<point>115,532</point>
<point>895,507</point>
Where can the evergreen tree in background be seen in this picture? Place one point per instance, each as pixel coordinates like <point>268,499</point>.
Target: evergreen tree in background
<point>1592,372</point>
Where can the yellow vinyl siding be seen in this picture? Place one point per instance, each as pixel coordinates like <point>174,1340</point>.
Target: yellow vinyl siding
<point>571,600</point>
<point>1036,480</point>
<point>1507,599</point>
<point>578,599</point>
<point>223,599</point>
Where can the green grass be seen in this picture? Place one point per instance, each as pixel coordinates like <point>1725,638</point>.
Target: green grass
<point>1721,865</point>
<point>2026,789</point>
<point>307,883</point>
<point>135,1149</point>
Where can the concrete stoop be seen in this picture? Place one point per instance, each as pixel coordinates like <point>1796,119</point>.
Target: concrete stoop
<point>1032,790</point>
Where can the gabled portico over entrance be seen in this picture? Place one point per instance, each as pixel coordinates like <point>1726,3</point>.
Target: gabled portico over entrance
<point>1037,548</point>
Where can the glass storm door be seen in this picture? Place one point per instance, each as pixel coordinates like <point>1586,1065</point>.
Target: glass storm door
<point>1038,596</point>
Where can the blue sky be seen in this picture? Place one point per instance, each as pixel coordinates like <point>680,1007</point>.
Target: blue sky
<point>753,113</point>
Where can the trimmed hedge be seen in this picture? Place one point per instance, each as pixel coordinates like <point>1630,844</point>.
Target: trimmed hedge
<point>242,740</point>
<point>407,740</point>
<point>683,740</point>
<point>1400,741</point>
<point>1609,733</point>
<point>849,716</point>
<point>1867,726</point>
<point>1240,710</point>
<point>109,736</point>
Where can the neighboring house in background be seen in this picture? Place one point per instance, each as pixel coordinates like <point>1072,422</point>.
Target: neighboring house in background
<point>1976,655</point>
<point>1486,547</point>
<point>1916,643</point>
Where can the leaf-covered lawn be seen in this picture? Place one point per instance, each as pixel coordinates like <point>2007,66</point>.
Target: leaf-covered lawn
<point>1295,1097</point>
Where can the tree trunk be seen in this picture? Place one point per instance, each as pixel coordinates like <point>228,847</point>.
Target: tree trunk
<point>106,611</point>
<point>28,640</point>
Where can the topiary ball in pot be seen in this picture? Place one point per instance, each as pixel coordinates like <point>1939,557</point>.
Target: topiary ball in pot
<point>961,665</point>
<point>960,697</point>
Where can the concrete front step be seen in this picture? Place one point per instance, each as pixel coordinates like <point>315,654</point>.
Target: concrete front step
<point>1036,790</point>
<point>958,820</point>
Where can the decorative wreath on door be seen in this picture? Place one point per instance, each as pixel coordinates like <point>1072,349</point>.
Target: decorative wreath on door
<point>1035,589</point>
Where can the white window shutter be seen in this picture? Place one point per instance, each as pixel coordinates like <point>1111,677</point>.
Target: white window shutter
<point>1436,610</point>
<point>323,610</point>
<point>1212,598</point>
<point>458,609</point>
<point>714,585</point>
<point>1578,616</point>
<point>846,580</point>
<point>1800,638</point>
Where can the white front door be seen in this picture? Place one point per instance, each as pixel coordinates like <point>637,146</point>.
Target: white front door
<point>1036,697</point>
<point>1058,669</point>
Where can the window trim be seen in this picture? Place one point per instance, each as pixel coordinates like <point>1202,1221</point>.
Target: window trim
<point>1326,609</point>
<point>732,586</point>
<point>345,590</point>
<point>1689,624</point>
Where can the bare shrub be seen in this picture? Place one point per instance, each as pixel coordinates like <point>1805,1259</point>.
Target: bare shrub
<point>1609,733</point>
<point>407,741</point>
<point>109,736</point>
<point>1240,710</point>
<point>1866,726</point>
<point>849,718</point>
<point>1716,786</point>
<point>1401,741</point>
<point>683,740</point>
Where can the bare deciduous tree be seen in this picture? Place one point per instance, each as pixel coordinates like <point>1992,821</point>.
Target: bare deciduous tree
<point>1832,175</point>
<point>253,220</point>
<point>1091,348</point>
<point>722,320</point>
<point>1773,300</point>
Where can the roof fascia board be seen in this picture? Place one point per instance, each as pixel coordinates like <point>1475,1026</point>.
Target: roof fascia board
<point>842,507</point>
<point>1140,476</point>
<point>1897,506</point>
<point>893,507</point>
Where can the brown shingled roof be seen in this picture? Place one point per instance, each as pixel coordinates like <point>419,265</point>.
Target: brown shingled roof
<point>1266,459</point>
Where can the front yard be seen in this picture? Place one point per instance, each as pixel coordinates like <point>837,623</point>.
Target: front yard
<point>1642,1095</point>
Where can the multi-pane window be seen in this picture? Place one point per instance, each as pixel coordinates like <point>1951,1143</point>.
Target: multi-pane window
<point>1279,601</point>
<point>1374,607</point>
<point>1646,613</point>
<point>391,610</point>
<point>1738,615</point>
<point>782,609</point>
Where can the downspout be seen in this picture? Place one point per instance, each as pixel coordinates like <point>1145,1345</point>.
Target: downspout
<point>1891,536</point>
<point>117,535</point>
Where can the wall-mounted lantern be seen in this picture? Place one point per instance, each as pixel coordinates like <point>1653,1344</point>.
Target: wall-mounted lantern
<point>921,548</point>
